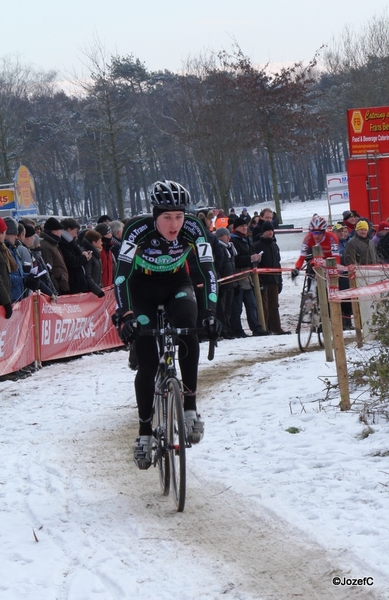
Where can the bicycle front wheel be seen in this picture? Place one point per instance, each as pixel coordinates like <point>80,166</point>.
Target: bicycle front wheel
<point>176,443</point>
<point>162,454</point>
<point>305,323</point>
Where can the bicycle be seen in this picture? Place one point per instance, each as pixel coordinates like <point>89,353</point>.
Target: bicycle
<point>170,440</point>
<point>309,317</point>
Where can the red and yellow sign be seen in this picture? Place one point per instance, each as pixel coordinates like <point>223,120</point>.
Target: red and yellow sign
<point>368,130</point>
<point>25,188</point>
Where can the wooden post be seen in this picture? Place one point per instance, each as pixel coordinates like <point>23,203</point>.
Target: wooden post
<point>356,312</point>
<point>36,329</point>
<point>337,331</point>
<point>258,299</point>
<point>317,252</point>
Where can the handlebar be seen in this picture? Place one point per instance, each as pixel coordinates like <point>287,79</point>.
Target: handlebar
<point>176,331</point>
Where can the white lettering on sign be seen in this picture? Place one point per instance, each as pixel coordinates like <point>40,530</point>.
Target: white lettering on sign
<point>46,330</point>
<point>69,330</point>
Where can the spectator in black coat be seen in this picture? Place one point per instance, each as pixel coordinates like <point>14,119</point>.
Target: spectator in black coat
<point>271,284</point>
<point>93,242</point>
<point>245,259</point>
<point>75,258</point>
<point>117,232</point>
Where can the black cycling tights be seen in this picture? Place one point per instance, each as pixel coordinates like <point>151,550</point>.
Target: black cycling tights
<point>182,312</point>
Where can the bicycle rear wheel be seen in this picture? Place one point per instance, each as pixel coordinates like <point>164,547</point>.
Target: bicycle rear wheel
<point>305,323</point>
<point>176,443</point>
<point>161,452</point>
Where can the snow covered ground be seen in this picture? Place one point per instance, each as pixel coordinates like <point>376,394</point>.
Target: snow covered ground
<point>270,514</point>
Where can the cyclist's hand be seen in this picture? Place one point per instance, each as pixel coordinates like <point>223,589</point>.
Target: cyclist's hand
<point>127,327</point>
<point>294,274</point>
<point>212,326</point>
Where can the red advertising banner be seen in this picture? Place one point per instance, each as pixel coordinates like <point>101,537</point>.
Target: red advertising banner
<point>368,130</point>
<point>17,337</point>
<point>76,324</point>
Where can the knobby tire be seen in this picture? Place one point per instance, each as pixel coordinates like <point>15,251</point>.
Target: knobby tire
<point>176,443</point>
<point>162,461</point>
<point>305,325</point>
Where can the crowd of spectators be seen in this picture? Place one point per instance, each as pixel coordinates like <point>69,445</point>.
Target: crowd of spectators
<point>56,258</point>
<point>59,257</point>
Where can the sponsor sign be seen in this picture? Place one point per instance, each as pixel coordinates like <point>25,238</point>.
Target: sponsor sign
<point>76,324</point>
<point>368,130</point>
<point>17,337</point>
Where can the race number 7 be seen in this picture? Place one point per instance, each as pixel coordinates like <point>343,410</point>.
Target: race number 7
<point>205,250</point>
<point>127,251</point>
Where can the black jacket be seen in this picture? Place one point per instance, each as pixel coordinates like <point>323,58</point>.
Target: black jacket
<point>228,264</point>
<point>271,259</point>
<point>75,263</point>
<point>93,268</point>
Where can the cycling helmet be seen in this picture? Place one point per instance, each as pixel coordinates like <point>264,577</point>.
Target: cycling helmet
<point>318,224</point>
<point>169,195</point>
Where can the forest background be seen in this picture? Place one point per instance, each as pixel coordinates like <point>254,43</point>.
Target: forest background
<point>234,133</point>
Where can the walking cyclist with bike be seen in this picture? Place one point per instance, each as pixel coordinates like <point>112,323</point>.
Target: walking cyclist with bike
<point>152,271</point>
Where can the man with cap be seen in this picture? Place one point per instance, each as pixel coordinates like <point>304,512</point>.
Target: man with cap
<point>245,259</point>
<point>226,290</point>
<point>152,270</point>
<point>271,284</point>
<point>7,264</point>
<point>350,218</point>
<point>51,236</point>
<point>360,249</point>
<point>245,215</point>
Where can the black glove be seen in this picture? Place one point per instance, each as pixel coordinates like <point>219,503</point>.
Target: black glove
<point>128,329</point>
<point>31,283</point>
<point>212,326</point>
<point>280,285</point>
<point>101,294</point>
<point>8,311</point>
<point>294,273</point>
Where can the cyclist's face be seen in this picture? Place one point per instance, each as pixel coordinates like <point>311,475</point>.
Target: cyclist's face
<point>169,224</point>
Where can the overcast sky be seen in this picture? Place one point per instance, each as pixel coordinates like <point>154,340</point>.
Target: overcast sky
<point>53,35</point>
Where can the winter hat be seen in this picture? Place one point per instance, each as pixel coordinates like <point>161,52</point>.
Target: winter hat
<point>52,224</point>
<point>12,226</point>
<point>244,209</point>
<point>362,225</point>
<point>383,226</point>
<point>30,231</point>
<point>239,222</point>
<point>104,219</point>
<point>3,226</point>
<point>267,226</point>
<point>224,231</point>
<point>339,226</point>
<point>103,229</point>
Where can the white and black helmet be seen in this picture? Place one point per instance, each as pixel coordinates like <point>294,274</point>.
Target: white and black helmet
<point>169,195</point>
<point>318,223</point>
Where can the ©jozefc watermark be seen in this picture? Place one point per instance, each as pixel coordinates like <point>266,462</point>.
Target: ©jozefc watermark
<point>350,581</point>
